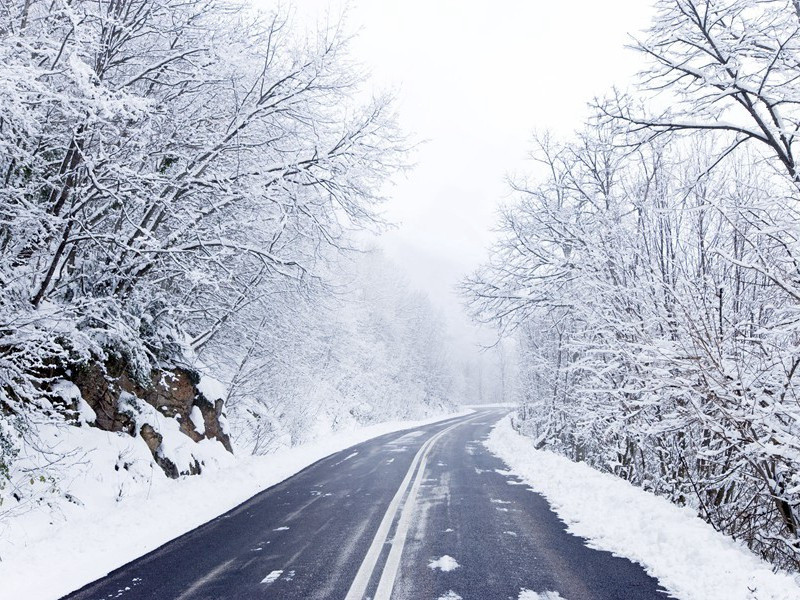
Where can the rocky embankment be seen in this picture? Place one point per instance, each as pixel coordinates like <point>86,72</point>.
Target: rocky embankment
<point>174,402</point>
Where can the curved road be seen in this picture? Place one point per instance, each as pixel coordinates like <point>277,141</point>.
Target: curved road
<point>420,514</point>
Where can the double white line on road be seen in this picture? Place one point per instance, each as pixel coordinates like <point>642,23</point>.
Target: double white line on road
<point>358,589</point>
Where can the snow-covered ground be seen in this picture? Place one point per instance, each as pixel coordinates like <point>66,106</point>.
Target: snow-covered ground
<point>687,556</point>
<point>118,507</point>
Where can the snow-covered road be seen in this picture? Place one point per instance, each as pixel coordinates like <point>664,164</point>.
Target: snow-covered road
<point>426,513</point>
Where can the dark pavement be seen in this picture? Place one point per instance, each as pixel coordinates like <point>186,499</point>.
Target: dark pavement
<point>329,531</point>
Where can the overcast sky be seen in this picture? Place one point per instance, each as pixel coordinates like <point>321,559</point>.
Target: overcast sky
<point>476,79</point>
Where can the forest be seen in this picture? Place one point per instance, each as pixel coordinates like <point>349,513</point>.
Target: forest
<point>648,269</point>
<point>186,190</point>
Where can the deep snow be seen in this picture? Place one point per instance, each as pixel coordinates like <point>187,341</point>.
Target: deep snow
<point>687,556</point>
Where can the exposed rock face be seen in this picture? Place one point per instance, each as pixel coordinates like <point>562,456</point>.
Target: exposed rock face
<point>174,394</point>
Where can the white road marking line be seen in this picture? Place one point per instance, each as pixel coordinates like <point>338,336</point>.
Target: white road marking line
<point>359,586</point>
<point>389,575</point>
<point>272,577</point>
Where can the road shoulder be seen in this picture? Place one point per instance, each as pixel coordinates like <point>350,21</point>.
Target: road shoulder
<point>687,556</point>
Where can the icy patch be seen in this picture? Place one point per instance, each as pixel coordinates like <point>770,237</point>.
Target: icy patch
<point>497,501</point>
<point>511,533</point>
<point>451,595</point>
<point>687,556</point>
<point>529,595</point>
<point>349,456</point>
<point>284,528</point>
<point>449,530</point>
<point>272,577</point>
<point>445,563</point>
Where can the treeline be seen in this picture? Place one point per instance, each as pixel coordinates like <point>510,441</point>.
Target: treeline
<point>370,350</point>
<point>178,178</point>
<point>651,275</point>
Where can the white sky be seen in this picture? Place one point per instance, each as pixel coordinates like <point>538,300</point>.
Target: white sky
<point>476,79</point>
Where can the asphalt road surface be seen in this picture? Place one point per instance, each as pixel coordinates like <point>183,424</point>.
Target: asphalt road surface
<point>424,514</point>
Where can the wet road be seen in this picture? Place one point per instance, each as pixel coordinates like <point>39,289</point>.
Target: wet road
<point>422,514</point>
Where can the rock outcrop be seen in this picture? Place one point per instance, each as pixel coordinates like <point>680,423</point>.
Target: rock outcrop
<point>173,393</point>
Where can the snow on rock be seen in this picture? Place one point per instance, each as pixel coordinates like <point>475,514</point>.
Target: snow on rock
<point>163,410</point>
<point>212,389</point>
<point>196,417</point>
<point>86,413</point>
<point>174,451</point>
<point>687,556</point>
<point>445,563</point>
<point>70,394</point>
<point>114,493</point>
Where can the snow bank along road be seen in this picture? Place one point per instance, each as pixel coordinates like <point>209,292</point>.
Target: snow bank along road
<point>422,514</point>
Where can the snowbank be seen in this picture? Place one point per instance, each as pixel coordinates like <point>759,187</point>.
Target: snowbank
<point>687,556</point>
<point>120,508</point>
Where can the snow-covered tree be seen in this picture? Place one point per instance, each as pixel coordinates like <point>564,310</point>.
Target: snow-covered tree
<point>360,349</point>
<point>167,167</point>
<point>651,346</point>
